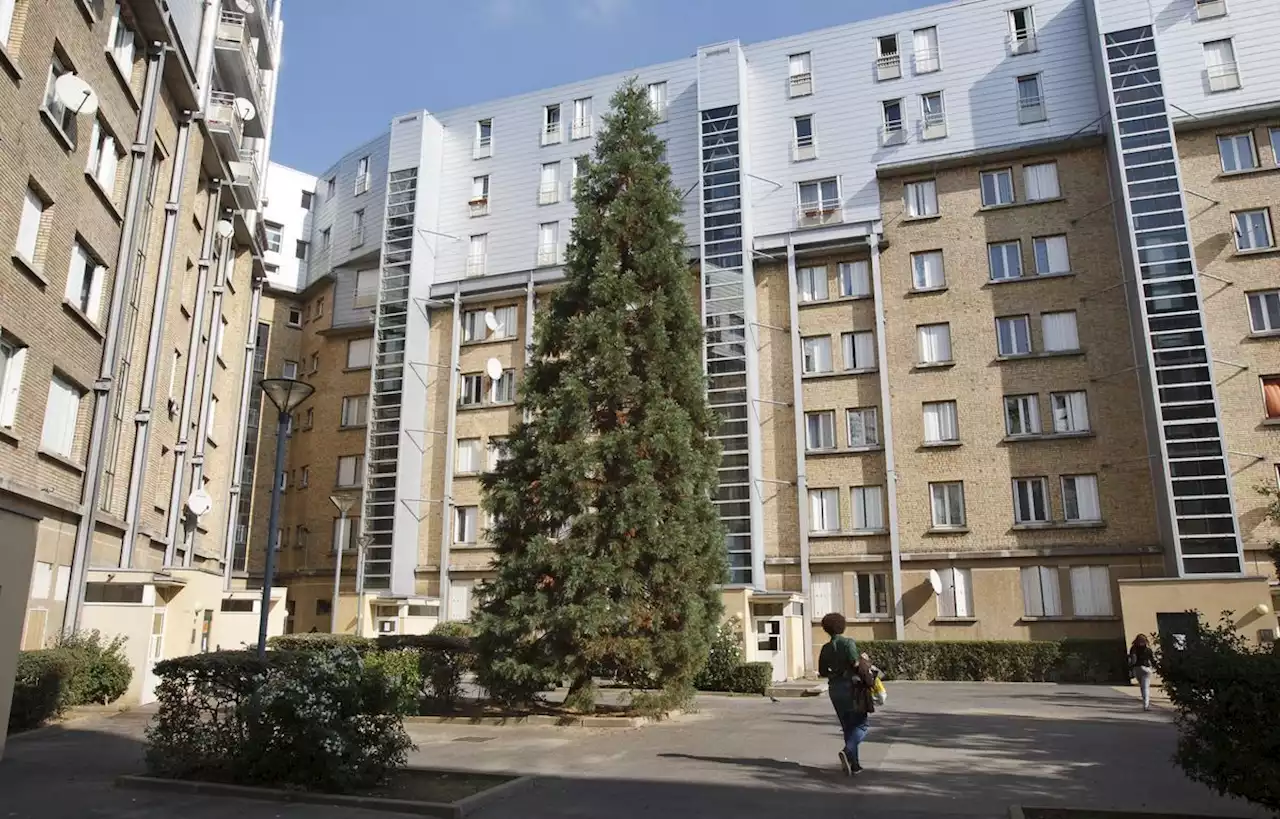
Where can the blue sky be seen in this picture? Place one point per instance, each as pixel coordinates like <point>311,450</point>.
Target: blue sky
<point>352,65</point>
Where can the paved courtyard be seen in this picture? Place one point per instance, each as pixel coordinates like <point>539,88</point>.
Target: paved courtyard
<point>939,749</point>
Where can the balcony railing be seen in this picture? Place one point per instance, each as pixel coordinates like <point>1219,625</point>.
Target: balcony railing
<point>548,256</point>
<point>927,60</point>
<point>552,133</point>
<point>483,147</point>
<point>475,265</point>
<point>549,193</point>
<point>815,214</point>
<point>583,128</point>
<point>223,116</point>
<point>1223,77</point>
<point>802,84</point>
<point>479,206</point>
<point>1031,109</point>
<point>1023,41</point>
<point>1208,9</point>
<point>894,132</point>
<point>804,148</point>
<point>889,67</point>
<point>232,32</point>
<point>659,108</point>
<point>933,126</point>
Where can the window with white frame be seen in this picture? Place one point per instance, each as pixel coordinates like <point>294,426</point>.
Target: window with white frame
<point>819,197</point>
<point>104,161</point>
<point>579,168</point>
<point>947,502</point>
<point>927,58</point>
<point>496,451</point>
<point>1275,145</point>
<point>84,282</point>
<point>123,43</point>
<point>935,343</point>
<point>466,520</point>
<point>582,118</point>
<point>1022,30</point>
<point>941,425</point>
<point>213,418</point>
<point>359,353</point>
<point>357,228</point>
<point>872,594</point>
<point>1253,230</point>
<point>1004,260</point>
<point>826,594</point>
<point>551,126</point>
<point>868,508</point>
<point>366,294</point>
<point>1041,593</point>
<point>484,138</point>
<point>355,410</point>
<point>956,598</point>
<point>1237,152</point>
<point>817,354</point>
<point>473,326</point>
<point>31,227</point>
<point>894,124</point>
<point>300,250</point>
<point>1091,591</point>
<point>294,318</point>
<point>1030,99</point>
<point>477,251</point>
<point>824,510</point>
<point>926,270</point>
<point>1022,415</point>
<point>549,183</point>
<point>1264,311</point>
<point>820,430</point>
<point>1040,181</point>
<point>344,530</point>
<point>61,414</point>
<point>471,390</point>
<point>13,360</point>
<point>859,350</point>
<point>350,470</point>
<point>805,146</point>
<point>1051,255</point>
<point>326,239</point>
<point>1030,500</point>
<point>7,9</point>
<point>997,187</point>
<point>287,370</point>
<point>479,202</point>
<point>275,235</point>
<point>863,427</point>
<point>1080,499</point>
<point>657,92</point>
<point>812,283</point>
<point>1070,411</point>
<point>548,243</point>
<point>1220,65</point>
<point>468,457</point>
<point>1059,331</point>
<point>364,179</point>
<point>921,198</point>
<point>1013,335</point>
<point>503,391</point>
<point>800,71</point>
<point>888,60</point>
<point>933,115</point>
<point>855,279</point>
<point>505,320</point>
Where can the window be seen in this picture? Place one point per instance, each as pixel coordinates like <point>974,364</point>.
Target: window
<point>947,501</point>
<point>1059,332</point>
<point>1271,397</point>
<point>817,354</point>
<point>326,239</point>
<point>1030,99</point>
<point>926,48</point>
<point>1080,498</point>
<point>581,164</point>
<point>295,317</point>
<point>1051,255</point>
<point>826,594</point>
<point>805,147</point>
<point>868,508</point>
<point>1091,591</point>
<point>1237,152</point>
<point>956,597</point>
<point>548,243</point>
<point>922,199</point>
<point>1070,411</point>
<point>1264,311</point>
<point>800,69</point>
<point>895,131</point>
<point>926,270</point>
<point>363,177</point>
<point>997,187</point>
<point>1030,500</point>
<point>355,410</point>
<point>331,187</point>
<point>122,42</point>
<point>819,197</point>
<point>1004,260</point>
<point>1040,181</point>
<point>308,199</point>
<point>1253,230</point>
<point>859,350</point>
<point>357,228</point>
<point>343,531</point>
<point>366,294</point>
<point>935,343</point>
<point>473,327</point>
<point>551,131</point>
<point>484,139</point>
<point>13,359</point>
<point>471,390</point>
<point>222,337</point>
<point>30,227</point>
<point>350,470</point>
<point>479,202</point>
<point>506,320</point>
<point>933,115</point>
<point>7,9</point>
<point>582,118</point>
<point>300,250</point>
<point>497,451</point>
<point>61,415</point>
<point>467,459</point>
<point>477,250</point>
<point>318,312</point>
<point>862,426</point>
<point>1220,65</point>
<point>549,184</point>
<point>855,279</point>
<point>275,234</point>
<point>824,510</point>
<point>288,370</point>
<point>1022,415</point>
<point>1013,335</point>
<point>1022,31</point>
<point>504,389</point>
<point>1208,9</point>
<point>84,282</point>
<point>104,160</point>
<point>658,99</point>
<point>213,415</point>
<point>820,430</point>
<point>465,524</point>
<point>1275,145</point>
<point>309,419</point>
<point>1041,594</point>
<point>872,594</point>
<point>359,353</point>
<point>812,283</point>
<point>940,423</point>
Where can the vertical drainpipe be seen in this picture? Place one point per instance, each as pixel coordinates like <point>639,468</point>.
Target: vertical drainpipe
<point>155,343</point>
<point>802,479</point>
<point>237,469</point>
<point>189,379</point>
<point>103,388</point>
<point>886,415</point>
<point>206,391</point>
<point>204,52</point>
<point>451,429</point>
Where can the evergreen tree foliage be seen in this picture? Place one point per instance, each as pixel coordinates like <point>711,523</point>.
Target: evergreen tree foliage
<point>609,548</point>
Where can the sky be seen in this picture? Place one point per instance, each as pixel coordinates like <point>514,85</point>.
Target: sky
<point>350,66</point>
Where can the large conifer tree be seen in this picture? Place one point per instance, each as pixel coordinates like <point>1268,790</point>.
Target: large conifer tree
<point>609,549</point>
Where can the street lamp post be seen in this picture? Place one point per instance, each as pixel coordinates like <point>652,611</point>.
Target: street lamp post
<point>286,394</point>
<point>362,543</point>
<point>344,504</point>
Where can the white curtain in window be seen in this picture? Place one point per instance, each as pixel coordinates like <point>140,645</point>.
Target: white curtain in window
<point>1070,412</point>
<point>1060,331</point>
<point>826,594</point>
<point>863,427</point>
<point>468,457</point>
<point>1041,181</point>
<point>940,423</point>
<point>1091,591</point>
<point>813,283</point>
<point>859,350</point>
<point>1219,56</point>
<point>1080,498</point>
<point>505,318</point>
<point>935,343</point>
<point>820,429</point>
<point>824,510</point>
<point>855,278</point>
<point>799,64</point>
<point>922,198</point>
<point>13,361</point>
<point>6,20</point>
<point>868,507</point>
<point>926,48</point>
<point>29,226</point>
<point>1041,594</point>
<point>465,525</point>
<point>926,270</point>
<point>60,415</point>
<point>1051,255</point>
<point>817,355</point>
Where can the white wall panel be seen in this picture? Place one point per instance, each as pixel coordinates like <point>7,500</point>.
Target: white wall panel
<point>335,213</point>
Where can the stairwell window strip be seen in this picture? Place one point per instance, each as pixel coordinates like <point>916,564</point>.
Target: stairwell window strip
<point>1080,499</point>
<point>921,199</point>
<point>467,460</point>
<point>997,187</point>
<point>1059,332</point>
<point>13,361</point>
<point>1030,500</point>
<point>350,470</point>
<point>868,508</point>
<point>1091,591</point>
<point>955,601</point>
<point>1070,411</point>
<point>859,350</point>
<point>935,343</point>
<point>1040,181</point>
<point>817,355</point>
<point>1253,230</point>
<point>1051,255</point>
<point>61,416</point>
<point>855,279</point>
<point>1041,592</point>
<point>824,511</point>
<point>812,283</point>
<point>927,272</point>
<point>862,427</point>
<point>820,430</point>
<point>84,282</point>
<point>1264,311</point>
<point>941,424</point>
<point>872,589</point>
<point>1022,415</point>
<point>1237,152</point>
<point>1013,335</point>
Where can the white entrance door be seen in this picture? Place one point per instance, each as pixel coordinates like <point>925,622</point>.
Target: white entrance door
<point>769,645</point>
<point>460,599</point>
<point>155,653</point>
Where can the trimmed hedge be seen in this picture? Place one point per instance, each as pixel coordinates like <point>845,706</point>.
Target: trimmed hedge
<point>40,688</point>
<point>725,670</point>
<point>1065,661</point>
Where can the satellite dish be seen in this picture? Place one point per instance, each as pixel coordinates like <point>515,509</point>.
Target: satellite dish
<point>935,580</point>
<point>493,368</point>
<point>490,320</point>
<point>224,229</point>
<point>245,6</point>
<point>245,109</point>
<point>199,503</point>
<point>76,94</point>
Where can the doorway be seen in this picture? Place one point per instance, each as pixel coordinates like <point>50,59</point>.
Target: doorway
<point>155,653</point>
<point>1175,628</point>
<point>769,647</point>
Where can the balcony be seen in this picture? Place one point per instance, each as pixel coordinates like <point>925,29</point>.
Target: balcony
<point>801,84</point>
<point>225,123</point>
<point>549,193</point>
<point>1023,41</point>
<point>893,133</point>
<point>804,148</point>
<point>660,109</point>
<point>933,126</point>
<point>237,67</point>
<point>549,256</point>
<point>483,148</point>
<point>583,128</point>
<point>817,214</point>
<point>475,265</point>
<point>552,134</point>
<point>1209,9</point>
<point>1224,77</point>
<point>245,181</point>
<point>927,61</point>
<point>889,67</point>
<point>1031,109</point>
<point>479,206</point>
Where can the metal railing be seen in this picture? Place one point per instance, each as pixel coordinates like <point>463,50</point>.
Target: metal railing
<point>582,128</point>
<point>822,212</point>
<point>802,83</point>
<point>479,206</point>
<point>927,60</point>
<point>549,193</point>
<point>548,255</point>
<point>934,125</point>
<point>894,132</point>
<point>552,133</point>
<point>475,265</point>
<point>1225,77</point>
<point>1023,41</point>
<point>1030,108</point>
<point>222,115</point>
<point>483,147</point>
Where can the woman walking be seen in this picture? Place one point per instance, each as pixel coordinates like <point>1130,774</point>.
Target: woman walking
<point>849,684</point>
<point>1142,661</point>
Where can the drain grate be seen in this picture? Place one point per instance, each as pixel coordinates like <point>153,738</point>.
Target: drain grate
<point>474,739</point>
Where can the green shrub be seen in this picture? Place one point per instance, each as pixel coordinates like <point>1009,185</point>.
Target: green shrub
<point>320,720</point>
<point>751,678</point>
<point>1083,661</point>
<point>100,673</point>
<point>725,669</point>
<point>319,641</point>
<point>454,628</point>
<point>40,688</point>
<point>401,668</point>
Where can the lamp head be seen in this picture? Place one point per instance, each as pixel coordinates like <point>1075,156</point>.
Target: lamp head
<point>286,393</point>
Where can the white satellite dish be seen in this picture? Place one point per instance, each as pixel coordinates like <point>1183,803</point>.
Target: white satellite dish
<point>76,94</point>
<point>199,503</point>
<point>490,320</point>
<point>493,368</point>
<point>935,580</point>
<point>245,109</point>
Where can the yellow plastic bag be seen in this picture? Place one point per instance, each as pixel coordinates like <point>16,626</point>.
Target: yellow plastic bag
<point>878,692</point>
